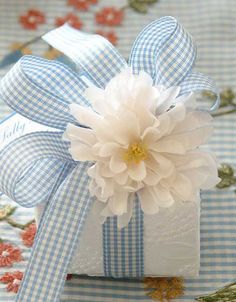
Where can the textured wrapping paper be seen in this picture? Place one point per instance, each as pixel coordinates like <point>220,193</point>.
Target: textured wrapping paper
<point>171,237</point>
<point>171,243</point>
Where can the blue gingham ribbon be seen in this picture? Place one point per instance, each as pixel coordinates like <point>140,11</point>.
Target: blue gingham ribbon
<point>38,168</point>
<point>123,249</point>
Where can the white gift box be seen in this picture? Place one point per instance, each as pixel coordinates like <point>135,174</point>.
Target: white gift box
<point>171,243</point>
<point>171,237</point>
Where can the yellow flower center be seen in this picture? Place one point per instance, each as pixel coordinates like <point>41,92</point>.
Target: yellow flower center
<point>135,153</point>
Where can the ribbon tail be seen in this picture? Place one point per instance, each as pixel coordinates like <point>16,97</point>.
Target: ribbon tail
<point>57,237</point>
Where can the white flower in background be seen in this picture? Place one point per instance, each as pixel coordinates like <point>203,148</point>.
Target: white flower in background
<point>142,139</point>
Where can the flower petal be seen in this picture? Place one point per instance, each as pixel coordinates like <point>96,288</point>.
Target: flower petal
<point>168,146</point>
<point>200,177</point>
<point>168,120</point>
<point>119,89</point>
<point>79,134</point>
<point>137,171</point>
<point>150,136</point>
<point>148,201</point>
<point>105,170</point>
<point>163,196</point>
<point>123,220</point>
<point>175,115</point>
<point>152,178</point>
<point>193,120</point>
<point>125,129</point>
<point>118,203</point>
<point>200,167</point>
<point>166,99</point>
<point>191,139</point>
<point>107,149</point>
<point>165,166</point>
<point>121,178</point>
<point>183,188</point>
<point>143,91</point>
<point>116,164</point>
<point>98,100</point>
<point>81,152</point>
<point>107,189</point>
<point>145,117</point>
<point>193,159</point>
<point>85,116</point>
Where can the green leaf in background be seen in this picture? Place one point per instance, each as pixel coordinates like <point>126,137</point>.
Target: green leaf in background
<point>6,211</point>
<point>227,101</point>
<point>11,58</point>
<point>226,294</point>
<point>227,97</point>
<point>226,173</point>
<point>141,6</point>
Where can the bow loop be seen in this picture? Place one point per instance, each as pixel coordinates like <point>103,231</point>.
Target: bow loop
<point>164,50</point>
<point>31,165</point>
<point>93,54</point>
<point>55,78</point>
<point>167,52</point>
<point>41,90</point>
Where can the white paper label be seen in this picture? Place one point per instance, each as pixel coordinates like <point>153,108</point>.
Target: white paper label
<point>15,126</point>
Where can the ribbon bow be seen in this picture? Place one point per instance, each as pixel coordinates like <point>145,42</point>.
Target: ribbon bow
<point>38,168</point>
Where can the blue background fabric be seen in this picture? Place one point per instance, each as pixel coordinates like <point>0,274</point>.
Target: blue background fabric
<point>212,24</point>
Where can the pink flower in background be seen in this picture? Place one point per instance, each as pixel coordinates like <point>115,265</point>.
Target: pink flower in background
<point>13,281</point>
<point>109,16</point>
<point>28,235</point>
<point>81,4</point>
<point>110,36</point>
<point>69,277</point>
<point>9,254</point>
<point>71,19</point>
<point>32,19</point>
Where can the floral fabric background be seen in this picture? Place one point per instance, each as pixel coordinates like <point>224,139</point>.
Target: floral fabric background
<point>213,26</point>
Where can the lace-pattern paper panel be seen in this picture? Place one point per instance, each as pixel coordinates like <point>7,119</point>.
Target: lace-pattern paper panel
<point>171,243</point>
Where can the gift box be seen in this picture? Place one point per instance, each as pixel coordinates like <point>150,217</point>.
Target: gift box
<point>110,155</point>
<point>173,233</point>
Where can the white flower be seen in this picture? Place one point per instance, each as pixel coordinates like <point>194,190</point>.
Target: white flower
<point>142,139</point>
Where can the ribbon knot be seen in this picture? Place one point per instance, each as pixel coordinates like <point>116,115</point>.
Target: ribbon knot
<point>38,168</point>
